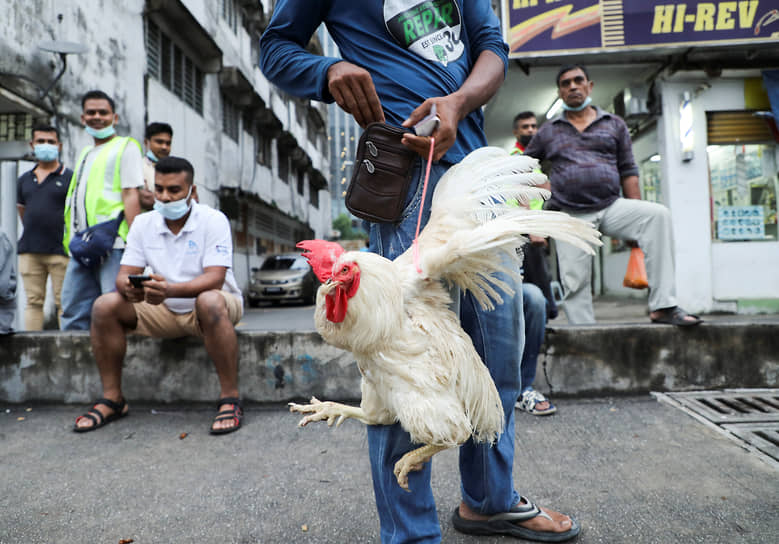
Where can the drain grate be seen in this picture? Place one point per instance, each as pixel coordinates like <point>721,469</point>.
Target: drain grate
<point>748,416</point>
<point>763,436</point>
<point>739,406</point>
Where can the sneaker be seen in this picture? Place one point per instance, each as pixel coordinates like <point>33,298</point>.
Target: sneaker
<point>530,399</point>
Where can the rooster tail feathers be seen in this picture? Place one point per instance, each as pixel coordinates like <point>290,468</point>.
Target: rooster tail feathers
<point>488,167</point>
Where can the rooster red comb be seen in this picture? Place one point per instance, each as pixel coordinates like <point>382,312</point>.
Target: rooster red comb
<point>321,255</point>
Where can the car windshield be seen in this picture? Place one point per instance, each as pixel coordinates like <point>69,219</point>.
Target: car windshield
<point>284,263</point>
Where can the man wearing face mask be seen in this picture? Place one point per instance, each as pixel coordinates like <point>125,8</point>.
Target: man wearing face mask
<point>191,291</point>
<point>593,176</point>
<point>41,201</point>
<point>157,140</point>
<point>525,127</point>
<point>106,181</point>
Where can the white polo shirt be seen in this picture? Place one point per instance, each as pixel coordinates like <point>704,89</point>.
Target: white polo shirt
<point>205,240</point>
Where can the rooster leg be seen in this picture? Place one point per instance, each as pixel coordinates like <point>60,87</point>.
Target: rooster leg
<point>414,460</point>
<point>333,412</point>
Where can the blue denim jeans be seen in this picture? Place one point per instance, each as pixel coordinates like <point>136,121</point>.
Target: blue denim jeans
<point>82,286</point>
<point>534,311</point>
<point>485,471</point>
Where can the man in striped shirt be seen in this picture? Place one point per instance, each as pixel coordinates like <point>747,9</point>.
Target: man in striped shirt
<point>593,176</point>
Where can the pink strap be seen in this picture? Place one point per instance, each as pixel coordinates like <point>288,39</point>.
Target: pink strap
<point>422,205</point>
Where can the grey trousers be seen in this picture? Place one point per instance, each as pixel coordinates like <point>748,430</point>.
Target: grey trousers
<point>646,222</point>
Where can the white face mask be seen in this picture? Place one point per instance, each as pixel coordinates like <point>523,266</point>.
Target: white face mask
<point>176,209</point>
<point>102,133</point>
<point>587,102</point>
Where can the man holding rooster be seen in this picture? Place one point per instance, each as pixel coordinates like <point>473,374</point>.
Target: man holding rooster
<point>400,59</point>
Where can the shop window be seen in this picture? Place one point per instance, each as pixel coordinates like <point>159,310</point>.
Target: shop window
<point>650,173</point>
<point>744,184</point>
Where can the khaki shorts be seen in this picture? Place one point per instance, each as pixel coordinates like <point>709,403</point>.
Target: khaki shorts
<point>157,321</point>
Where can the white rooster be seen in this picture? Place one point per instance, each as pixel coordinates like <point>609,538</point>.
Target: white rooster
<point>418,366</point>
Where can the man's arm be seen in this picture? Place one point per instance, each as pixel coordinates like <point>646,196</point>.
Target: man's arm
<point>283,57</point>
<point>158,289</point>
<point>132,204</point>
<point>626,164</point>
<point>286,63</point>
<point>123,285</point>
<point>630,187</point>
<point>483,82</point>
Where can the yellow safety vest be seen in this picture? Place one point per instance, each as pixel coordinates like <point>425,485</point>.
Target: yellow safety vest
<point>103,200</point>
<point>536,203</point>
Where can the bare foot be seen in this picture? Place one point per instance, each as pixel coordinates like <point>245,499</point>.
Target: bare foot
<point>559,523</point>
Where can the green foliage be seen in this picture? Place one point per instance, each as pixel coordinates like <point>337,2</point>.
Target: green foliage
<point>343,224</point>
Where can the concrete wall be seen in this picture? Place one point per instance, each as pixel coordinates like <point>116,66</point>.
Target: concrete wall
<point>277,367</point>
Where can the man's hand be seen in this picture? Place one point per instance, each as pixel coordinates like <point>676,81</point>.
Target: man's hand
<point>538,241</point>
<point>146,198</point>
<point>449,110</point>
<point>130,292</point>
<point>155,290</point>
<point>353,90</point>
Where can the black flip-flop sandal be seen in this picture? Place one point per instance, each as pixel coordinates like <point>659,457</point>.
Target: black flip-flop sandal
<point>676,316</point>
<point>236,413</point>
<point>98,419</point>
<point>506,524</point>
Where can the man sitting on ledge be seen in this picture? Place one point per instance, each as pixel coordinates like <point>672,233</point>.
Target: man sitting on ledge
<point>190,291</point>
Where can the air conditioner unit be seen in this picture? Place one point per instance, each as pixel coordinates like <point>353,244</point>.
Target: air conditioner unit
<point>631,102</point>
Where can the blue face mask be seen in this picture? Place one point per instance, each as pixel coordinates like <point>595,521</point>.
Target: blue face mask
<point>587,102</point>
<point>46,152</point>
<point>102,133</point>
<point>176,209</point>
<point>151,156</point>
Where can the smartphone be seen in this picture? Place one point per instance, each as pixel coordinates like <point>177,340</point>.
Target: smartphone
<point>428,124</point>
<point>138,279</point>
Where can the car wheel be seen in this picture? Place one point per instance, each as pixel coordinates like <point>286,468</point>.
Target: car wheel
<point>254,303</point>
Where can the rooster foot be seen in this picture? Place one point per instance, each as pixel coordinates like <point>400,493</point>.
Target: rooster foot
<point>333,412</point>
<point>413,461</point>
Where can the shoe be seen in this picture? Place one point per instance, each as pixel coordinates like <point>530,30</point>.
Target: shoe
<point>528,401</point>
<point>235,413</point>
<point>676,316</point>
<point>506,524</point>
<point>98,419</point>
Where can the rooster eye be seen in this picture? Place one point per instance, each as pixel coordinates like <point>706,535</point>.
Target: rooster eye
<point>345,269</point>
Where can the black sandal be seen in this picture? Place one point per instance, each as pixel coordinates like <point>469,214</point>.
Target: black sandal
<point>101,420</point>
<point>676,316</point>
<point>236,413</point>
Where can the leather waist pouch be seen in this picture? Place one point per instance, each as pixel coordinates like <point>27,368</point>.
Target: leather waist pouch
<point>382,175</point>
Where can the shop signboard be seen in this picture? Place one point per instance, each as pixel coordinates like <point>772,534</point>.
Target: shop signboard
<point>740,223</point>
<point>535,28</point>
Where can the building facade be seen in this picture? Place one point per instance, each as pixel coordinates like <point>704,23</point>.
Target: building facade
<point>260,155</point>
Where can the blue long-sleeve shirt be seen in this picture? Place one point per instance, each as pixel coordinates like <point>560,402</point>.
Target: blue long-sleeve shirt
<point>413,50</point>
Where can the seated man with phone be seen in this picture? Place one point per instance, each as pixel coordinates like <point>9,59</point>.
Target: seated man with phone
<point>190,291</point>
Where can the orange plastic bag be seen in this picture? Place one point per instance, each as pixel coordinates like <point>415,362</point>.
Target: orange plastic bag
<point>635,276</point>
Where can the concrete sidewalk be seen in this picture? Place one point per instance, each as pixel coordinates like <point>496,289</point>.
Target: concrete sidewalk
<point>630,469</point>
